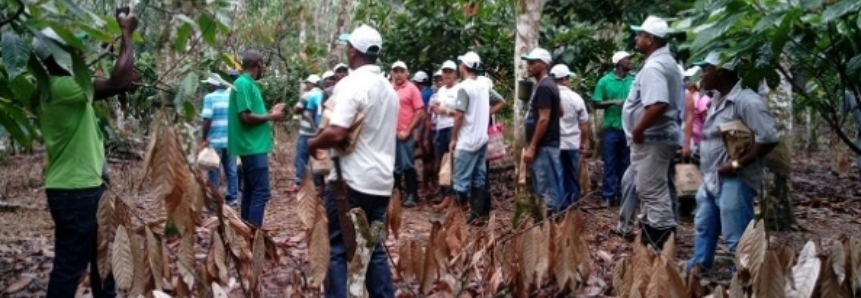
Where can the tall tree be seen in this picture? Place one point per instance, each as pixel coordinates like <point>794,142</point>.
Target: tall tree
<point>528,24</point>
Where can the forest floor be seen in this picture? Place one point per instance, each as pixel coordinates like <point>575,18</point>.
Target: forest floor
<point>825,205</point>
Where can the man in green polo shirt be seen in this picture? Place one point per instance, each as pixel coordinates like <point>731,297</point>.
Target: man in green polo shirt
<point>76,158</point>
<point>249,136</point>
<point>610,94</point>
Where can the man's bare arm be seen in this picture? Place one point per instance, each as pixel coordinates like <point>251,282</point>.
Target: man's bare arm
<point>122,76</point>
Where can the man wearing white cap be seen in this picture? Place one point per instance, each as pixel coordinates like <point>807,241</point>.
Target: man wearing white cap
<point>725,200</point>
<point>309,108</point>
<point>443,105</point>
<point>76,170</point>
<point>410,115</point>
<point>573,132</point>
<point>214,116</point>
<point>340,71</point>
<point>328,78</point>
<point>368,168</point>
<point>610,94</point>
<point>650,116</point>
<point>542,133</point>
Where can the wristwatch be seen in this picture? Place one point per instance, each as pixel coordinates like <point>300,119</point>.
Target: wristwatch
<point>736,165</point>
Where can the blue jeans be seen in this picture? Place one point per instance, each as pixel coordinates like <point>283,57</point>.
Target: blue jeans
<point>256,191</point>
<point>378,277</point>
<point>546,171</point>
<point>441,142</point>
<point>470,169</point>
<point>570,174</point>
<point>617,157</point>
<point>75,242</point>
<point>302,157</point>
<point>729,212</point>
<point>228,164</point>
<point>404,155</point>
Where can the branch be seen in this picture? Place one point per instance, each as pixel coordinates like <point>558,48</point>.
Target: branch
<point>15,15</point>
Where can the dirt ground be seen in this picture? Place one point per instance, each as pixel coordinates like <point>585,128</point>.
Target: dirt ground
<point>826,207</point>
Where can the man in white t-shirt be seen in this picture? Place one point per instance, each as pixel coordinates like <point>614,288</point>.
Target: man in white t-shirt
<point>368,169</point>
<point>469,139</point>
<point>443,105</point>
<point>573,132</point>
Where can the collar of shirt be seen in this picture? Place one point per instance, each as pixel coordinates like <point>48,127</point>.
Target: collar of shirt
<point>731,96</point>
<point>665,50</point>
<point>563,88</point>
<point>367,69</point>
<point>402,86</point>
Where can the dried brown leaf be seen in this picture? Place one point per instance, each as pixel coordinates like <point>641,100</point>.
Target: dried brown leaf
<point>751,249</point>
<point>218,291</point>
<point>155,129</point>
<point>736,289</point>
<point>620,283</point>
<point>543,245</point>
<point>853,250</point>
<point>669,249</point>
<point>259,251</point>
<point>642,260</point>
<point>583,261</point>
<point>429,274</point>
<point>694,288</point>
<point>232,240</point>
<point>529,255</point>
<point>496,281</point>
<point>405,262</point>
<point>659,282</point>
<point>719,292</point>
<point>318,257</point>
<point>394,215</point>
<point>160,294</point>
<point>107,228</point>
<point>19,284</point>
<point>770,281</point>
<point>307,197</point>
<point>806,272</point>
<point>454,226</point>
<point>829,282</point>
<point>185,259</point>
<point>418,258</point>
<point>217,259</point>
<point>122,260</point>
<point>838,262</point>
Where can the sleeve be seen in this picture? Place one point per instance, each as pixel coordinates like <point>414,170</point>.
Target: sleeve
<point>347,106</point>
<point>244,97</point>
<point>755,115</point>
<point>417,99</point>
<point>656,90</point>
<point>580,107</point>
<point>599,90</point>
<point>207,108</point>
<point>544,97</point>
<point>314,100</point>
<point>462,101</point>
<point>494,97</point>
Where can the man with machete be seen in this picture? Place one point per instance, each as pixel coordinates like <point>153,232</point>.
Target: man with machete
<point>363,175</point>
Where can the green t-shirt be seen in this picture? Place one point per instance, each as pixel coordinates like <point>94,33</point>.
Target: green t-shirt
<point>610,87</point>
<point>74,144</point>
<point>247,139</point>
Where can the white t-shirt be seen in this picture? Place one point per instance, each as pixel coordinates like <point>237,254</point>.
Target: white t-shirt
<point>474,100</point>
<point>369,168</point>
<point>574,113</point>
<point>446,97</point>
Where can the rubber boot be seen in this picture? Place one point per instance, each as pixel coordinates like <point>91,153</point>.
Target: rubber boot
<point>655,237</point>
<point>411,189</point>
<point>461,199</point>
<point>479,202</point>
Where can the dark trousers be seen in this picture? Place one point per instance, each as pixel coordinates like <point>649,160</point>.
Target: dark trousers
<point>378,277</point>
<point>443,138</point>
<point>256,191</point>
<point>617,157</point>
<point>570,174</point>
<point>75,242</point>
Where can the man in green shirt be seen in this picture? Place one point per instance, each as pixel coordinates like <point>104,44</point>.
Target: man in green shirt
<point>249,136</point>
<point>610,94</point>
<point>76,159</point>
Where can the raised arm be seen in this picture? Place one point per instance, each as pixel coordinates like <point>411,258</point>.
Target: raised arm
<point>122,76</point>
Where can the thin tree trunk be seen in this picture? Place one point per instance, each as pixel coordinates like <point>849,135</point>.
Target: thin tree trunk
<point>776,203</point>
<point>526,38</point>
<point>335,53</point>
<point>812,144</point>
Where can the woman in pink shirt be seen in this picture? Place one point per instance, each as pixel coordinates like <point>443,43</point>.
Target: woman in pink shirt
<point>696,108</point>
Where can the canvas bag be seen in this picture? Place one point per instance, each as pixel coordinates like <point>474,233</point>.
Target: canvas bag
<point>495,141</point>
<point>208,159</point>
<point>688,179</point>
<point>738,138</point>
<point>445,170</point>
<point>355,128</point>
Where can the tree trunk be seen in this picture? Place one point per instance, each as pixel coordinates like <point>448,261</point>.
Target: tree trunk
<point>812,144</point>
<point>776,203</point>
<point>336,53</point>
<point>526,39</point>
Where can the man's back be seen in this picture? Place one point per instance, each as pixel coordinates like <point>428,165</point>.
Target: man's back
<point>215,108</point>
<point>473,134</point>
<point>369,167</point>
<point>72,139</point>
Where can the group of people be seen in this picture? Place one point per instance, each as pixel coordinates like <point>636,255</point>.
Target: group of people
<point>370,124</point>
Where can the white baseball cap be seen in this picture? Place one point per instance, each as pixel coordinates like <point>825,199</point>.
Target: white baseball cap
<point>437,73</point>
<point>448,64</point>
<point>653,25</point>
<point>690,72</point>
<point>211,81</point>
<point>328,74</point>
<point>560,71</point>
<point>339,66</point>
<point>470,59</point>
<point>364,39</point>
<point>400,64</point>
<point>618,56</point>
<point>313,79</point>
<point>538,54</point>
<point>713,58</point>
<point>420,76</point>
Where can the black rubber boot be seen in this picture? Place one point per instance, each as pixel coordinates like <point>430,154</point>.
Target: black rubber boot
<point>479,202</point>
<point>412,187</point>
<point>461,198</point>
<point>398,184</point>
<point>656,237</point>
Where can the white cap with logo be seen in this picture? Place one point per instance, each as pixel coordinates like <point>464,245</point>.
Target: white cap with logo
<point>538,54</point>
<point>561,71</point>
<point>364,39</point>
<point>448,64</point>
<point>420,76</point>
<point>471,60</point>
<point>328,74</point>
<point>399,64</point>
<point>653,25</point>
<point>618,56</point>
<point>313,79</point>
